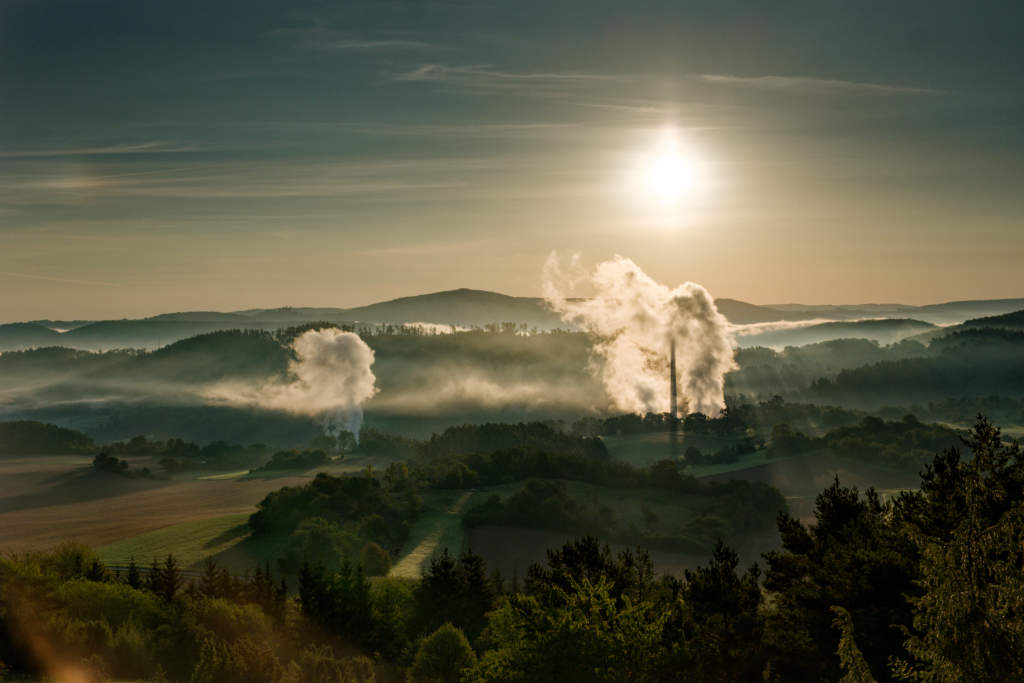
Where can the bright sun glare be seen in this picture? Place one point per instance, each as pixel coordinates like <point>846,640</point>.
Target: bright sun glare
<point>669,173</point>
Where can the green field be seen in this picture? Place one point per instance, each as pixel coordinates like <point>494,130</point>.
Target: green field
<point>190,542</point>
<point>224,475</point>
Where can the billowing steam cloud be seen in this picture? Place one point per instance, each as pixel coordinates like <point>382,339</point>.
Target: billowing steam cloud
<point>635,319</point>
<point>331,380</point>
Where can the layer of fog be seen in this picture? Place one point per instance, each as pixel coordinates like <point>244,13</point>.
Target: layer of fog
<point>330,379</point>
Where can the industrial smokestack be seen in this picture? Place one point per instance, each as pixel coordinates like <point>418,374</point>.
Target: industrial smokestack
<point>630,316</point>
<point>673,406</point>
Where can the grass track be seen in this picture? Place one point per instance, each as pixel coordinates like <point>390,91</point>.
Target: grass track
<point>433,531</point>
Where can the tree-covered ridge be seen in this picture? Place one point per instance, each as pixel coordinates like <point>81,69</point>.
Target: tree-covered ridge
<point>26,437</point>
<point>493,437</point>
<point>333,519</point>
<point>924,587</point>
<point>715,511</point>
<point>906,443</point>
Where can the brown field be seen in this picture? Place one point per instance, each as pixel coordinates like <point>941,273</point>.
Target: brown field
<point>801,478</point>
<point>811,473</point>
<point>46,500</point>
<point>511,550</point>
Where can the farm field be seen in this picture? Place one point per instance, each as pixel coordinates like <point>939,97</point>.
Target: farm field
<point>189,542</point>
<point>47,500</point>
<point>800,478</point>
<point>511,550</point>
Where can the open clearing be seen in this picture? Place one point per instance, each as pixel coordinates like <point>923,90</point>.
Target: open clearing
<point>431,533</point>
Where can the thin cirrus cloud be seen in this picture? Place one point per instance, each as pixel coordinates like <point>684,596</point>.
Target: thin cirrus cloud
<point>400,179</point>
<point>483,76</point>
<point>804,84</point>
<point>329,39</point>
<point>150,147</point>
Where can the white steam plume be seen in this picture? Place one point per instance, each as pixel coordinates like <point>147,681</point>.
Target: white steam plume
<point>634,319</point>
<point>332,380</point>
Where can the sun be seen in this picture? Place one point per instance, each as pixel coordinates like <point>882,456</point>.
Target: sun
<point>668,173</point>
<point>670,176</point>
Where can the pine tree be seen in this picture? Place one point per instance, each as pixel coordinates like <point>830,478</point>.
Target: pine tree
<point>211,581</point>
<point>969,624</point>
<point>171,579</point>
<point>133,577</point>
<point>154,579</point>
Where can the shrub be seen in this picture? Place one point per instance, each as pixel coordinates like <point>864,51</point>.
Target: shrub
<point>443,656</point>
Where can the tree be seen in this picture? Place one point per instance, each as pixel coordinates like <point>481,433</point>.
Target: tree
<point>581,633</point>
<point>856,556</point>
<point>969,623</point>
<point>170,579</point>
<point>850,656</point>
<point>133,578</point>
<point>443,657</point>
<point>214,582</point>
<point>374,559</point>
<point>727,626</point>
<point>456,591</point>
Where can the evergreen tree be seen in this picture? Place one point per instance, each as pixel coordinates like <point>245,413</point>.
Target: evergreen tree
<point>969,623</point>
<point>170,579</point>
<point>133,578</point>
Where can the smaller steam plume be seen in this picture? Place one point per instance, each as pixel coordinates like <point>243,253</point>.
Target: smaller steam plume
<point>635,319</point>
<point>332,378</point>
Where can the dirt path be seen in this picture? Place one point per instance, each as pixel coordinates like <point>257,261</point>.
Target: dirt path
<point>430,531</point>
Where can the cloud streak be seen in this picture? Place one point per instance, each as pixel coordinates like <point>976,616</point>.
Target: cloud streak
<point>819,85</point>
<point>150,147</point>
<point>485,77</point>
<point>328,40</point>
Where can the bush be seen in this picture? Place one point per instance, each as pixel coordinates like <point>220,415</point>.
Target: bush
<point>442,657</point>
<point>375,560</point>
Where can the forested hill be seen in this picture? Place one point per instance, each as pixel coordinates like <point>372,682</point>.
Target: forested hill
<point>1015,319</point>
<point>478,308</point>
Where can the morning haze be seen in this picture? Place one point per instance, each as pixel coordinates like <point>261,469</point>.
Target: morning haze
<point>439,341</point>
<point>172,158</point>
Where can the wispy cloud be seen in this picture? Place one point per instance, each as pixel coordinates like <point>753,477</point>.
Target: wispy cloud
<point>149,147</point>
<point>30,276</point>
<point>326,39</point>
<point>823,85</point>
<point>399,179</point>
<point>495,131</point>
<point>484,77</point>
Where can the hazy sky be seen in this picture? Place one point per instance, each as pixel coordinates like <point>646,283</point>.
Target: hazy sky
<point>159,156</point>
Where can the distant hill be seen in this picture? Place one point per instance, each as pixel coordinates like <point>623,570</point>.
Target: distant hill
<point>478,308</point>
<point>15,336</point>
<point>949,313</point>
<point>1012,321</point>
<point>954,312</point>
<point>742,313</point>
<point>883,331</point>
<point>1015,319</point>
<point>460,307</point>
<point>25,437</point>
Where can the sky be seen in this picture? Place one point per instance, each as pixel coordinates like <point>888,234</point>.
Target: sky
<point>159,156</point>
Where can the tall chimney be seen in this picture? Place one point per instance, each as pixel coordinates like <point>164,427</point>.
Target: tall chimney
<point>673,405</point>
